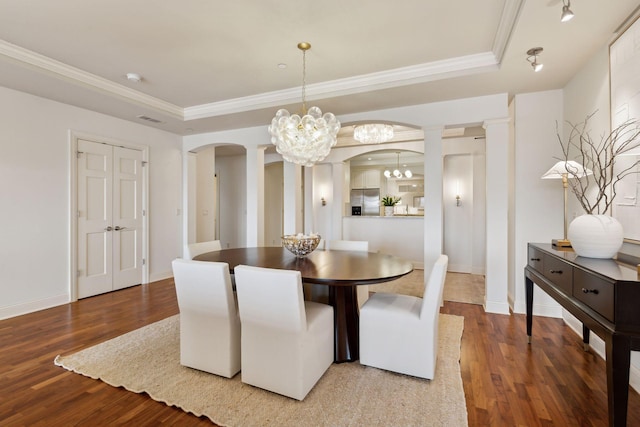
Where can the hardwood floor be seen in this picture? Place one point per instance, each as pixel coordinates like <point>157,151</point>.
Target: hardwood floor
<point>507,382</point>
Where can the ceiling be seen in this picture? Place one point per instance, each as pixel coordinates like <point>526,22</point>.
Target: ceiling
<point>212,65</point>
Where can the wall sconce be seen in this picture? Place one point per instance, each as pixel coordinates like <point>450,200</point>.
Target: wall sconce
<point>323,201</point>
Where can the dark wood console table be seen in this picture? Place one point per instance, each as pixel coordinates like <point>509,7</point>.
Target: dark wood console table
<point>604,295</point>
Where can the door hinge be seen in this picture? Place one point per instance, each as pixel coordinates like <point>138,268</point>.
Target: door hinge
<point>144,261</point>
<point>144,212</point>
<point>79,273</point>
<point>79,153</point>
<point>144,163</point>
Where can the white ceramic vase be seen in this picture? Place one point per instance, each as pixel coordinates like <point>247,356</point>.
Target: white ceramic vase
<point>595,236</point>
<point>388,211</point>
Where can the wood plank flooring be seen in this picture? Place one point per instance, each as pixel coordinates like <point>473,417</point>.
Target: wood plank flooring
<point>506,381</point>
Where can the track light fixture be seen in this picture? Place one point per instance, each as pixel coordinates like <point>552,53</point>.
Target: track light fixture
<point>567,14</point>
<point>532,57</point>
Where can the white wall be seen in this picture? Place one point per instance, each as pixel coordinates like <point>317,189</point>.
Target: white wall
<point>473,206</point>
<point>274,201</point>
<point>458,219</point>
<point>233,206</point>
<point>206,195</point>
<point>34,189</point>
<point>539,212</point>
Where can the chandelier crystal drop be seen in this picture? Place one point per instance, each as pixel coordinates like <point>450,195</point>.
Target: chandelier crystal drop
<point>308,139</point>
<point>373,133</point>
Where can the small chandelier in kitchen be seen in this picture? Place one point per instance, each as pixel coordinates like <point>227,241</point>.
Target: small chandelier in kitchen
<point>308,139</point>
<point>374,133</point>
<point>396,172</point>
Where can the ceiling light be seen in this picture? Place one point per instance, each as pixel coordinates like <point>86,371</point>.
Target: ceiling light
<point>567,14</point>
<point>533,58</point>
<point>308,139</point>
<point>134,77</point>
<point>396,172</point>
<point>373,133</point>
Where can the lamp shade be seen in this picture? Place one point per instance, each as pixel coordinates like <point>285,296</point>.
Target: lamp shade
<point>571,168</point>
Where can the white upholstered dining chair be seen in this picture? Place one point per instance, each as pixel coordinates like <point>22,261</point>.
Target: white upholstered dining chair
<point>209,320</point>
<point>195,249</point>
<point>399,333</point>
<point>353,245</point>
<point>287,343</point>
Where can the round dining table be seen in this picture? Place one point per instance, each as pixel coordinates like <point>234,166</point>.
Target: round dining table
<point>341,271</point>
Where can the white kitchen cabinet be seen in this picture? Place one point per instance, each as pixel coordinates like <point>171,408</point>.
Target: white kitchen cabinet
<point>365,178</point>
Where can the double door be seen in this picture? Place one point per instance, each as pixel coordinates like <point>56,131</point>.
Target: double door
<point>109,218</point>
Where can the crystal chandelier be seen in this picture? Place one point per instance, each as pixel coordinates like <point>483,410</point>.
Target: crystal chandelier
<point>308,139</point>
<point>396,172</point>
<point>373,133</point>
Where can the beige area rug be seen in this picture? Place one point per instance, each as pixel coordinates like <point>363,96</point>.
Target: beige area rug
<point>348,394</point>
<point>458,287</point>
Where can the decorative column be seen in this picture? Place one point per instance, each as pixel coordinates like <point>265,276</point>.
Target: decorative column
<point>433,169</point>
<point>255,196</point>
<point>499,177</point>
<point>292,198</point>
<point>337,200</point>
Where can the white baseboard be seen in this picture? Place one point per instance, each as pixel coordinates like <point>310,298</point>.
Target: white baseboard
<point>496,307</point>
<point>160,276</point>
<point>459,268</point>
<point>31,306</point>
<point>478,270</point>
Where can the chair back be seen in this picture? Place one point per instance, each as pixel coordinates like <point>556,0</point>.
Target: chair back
<point>195,249</point>
<point>204,287</point>
<point>271,297</point>
<point>435,286</point>
<point>349,245</point>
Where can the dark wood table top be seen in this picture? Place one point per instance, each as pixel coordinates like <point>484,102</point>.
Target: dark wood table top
<point>336,268</point>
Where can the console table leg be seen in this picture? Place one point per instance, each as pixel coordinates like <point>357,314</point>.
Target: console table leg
<point>529,301</point>
<point>585,337</point>
<point>618,358</point>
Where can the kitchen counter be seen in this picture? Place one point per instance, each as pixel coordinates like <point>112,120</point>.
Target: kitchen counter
<point>399,235</point>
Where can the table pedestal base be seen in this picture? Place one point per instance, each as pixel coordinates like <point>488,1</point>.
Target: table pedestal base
<point>346,317</point>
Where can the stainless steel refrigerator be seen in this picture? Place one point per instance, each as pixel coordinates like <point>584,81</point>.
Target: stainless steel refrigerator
<point>365,202</point>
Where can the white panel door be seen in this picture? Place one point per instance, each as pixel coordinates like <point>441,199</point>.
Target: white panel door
<point>95,238</point>
<point>109,218</point>
<point>127,217</point>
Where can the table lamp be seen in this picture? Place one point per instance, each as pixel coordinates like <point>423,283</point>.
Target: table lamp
<point>564,170</point>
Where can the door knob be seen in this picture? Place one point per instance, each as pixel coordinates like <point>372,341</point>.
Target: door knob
<point>109,228</point>
<point>118,228</point>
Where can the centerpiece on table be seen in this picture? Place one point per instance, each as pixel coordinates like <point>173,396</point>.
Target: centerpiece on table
<point>596,234</point>
<point>300,244</point>
<point>389,202</point>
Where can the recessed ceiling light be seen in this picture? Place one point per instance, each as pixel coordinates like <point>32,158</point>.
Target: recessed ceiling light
<point>134,77</point>
<point>282,65</point>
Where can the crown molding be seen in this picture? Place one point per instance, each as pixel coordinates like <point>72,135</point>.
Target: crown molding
<point>510,15</point>
<point>421,73</point>
<point>75,75</point>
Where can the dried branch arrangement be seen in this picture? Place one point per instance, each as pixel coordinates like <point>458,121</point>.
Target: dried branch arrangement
<point>600,158</point>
